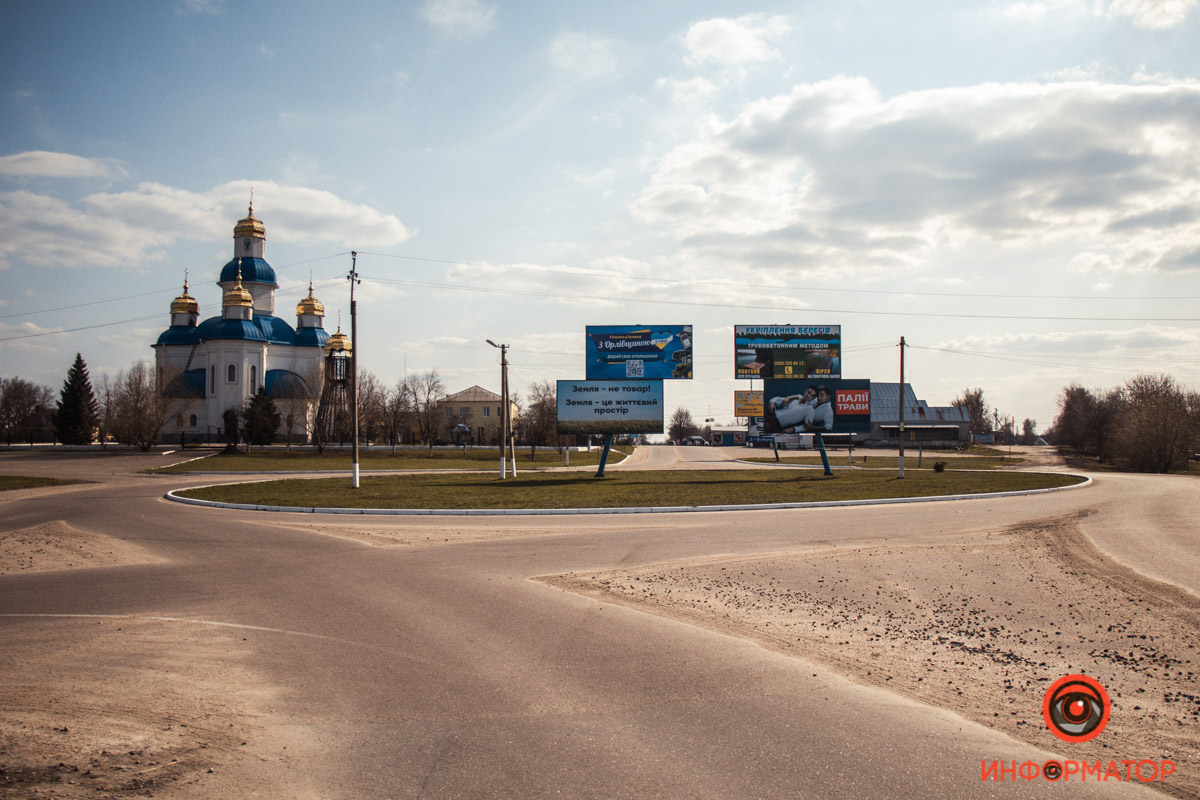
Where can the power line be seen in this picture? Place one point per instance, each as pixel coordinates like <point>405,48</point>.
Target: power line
<point>586,273</point>
<point>756,307</point>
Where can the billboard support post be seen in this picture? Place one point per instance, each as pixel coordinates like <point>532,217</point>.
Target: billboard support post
<point>608,437</point>
<point>820,443</point>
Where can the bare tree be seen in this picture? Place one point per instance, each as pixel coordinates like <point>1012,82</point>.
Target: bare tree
<point>425,392</point>
<point>139,412</point>
<point>1085,420</point>
<point>1156,428</point>
<point>540,420</point>
<point>372,404</point>
<point>977,409</point>
<point>398,415</point>
<point>1028,431</point>
<point>26,410</point>
<point>682,425</point>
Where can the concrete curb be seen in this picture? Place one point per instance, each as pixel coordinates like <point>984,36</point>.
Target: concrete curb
<point>526,512</point>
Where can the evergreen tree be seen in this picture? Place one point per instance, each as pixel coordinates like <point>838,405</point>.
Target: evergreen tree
<point>261,418</point>
<point>78,413</point>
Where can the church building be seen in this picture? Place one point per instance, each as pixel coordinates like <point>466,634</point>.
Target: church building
<point>209,368</point>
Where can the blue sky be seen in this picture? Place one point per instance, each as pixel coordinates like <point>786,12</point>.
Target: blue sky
<point>1013,186</point>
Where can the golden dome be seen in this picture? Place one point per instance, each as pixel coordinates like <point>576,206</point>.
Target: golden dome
<point>249,226</point>
<point>310,305</point>
<point>185,303</point>
<point>237,295</point>
<point>338,342</point>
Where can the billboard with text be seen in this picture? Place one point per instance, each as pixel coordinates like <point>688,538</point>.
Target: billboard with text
<point>787,351</point>
<point>817,406</point>
<point>610,407</point>
<point>747,404</point>
<point>638,352</point>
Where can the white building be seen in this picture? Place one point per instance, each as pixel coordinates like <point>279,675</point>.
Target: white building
<point>209,368</point>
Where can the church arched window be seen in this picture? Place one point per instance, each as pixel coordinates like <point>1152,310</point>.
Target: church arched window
<point>231,373</point>
<point>193,420</point>
<point>212,379</point>
<point>253,378</point>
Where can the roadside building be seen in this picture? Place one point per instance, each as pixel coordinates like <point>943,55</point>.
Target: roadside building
<point>481,411</point>
<point>924,425</point>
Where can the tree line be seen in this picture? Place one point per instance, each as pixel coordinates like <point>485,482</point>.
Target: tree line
<point>1149,424</point>
<point>132,409</point>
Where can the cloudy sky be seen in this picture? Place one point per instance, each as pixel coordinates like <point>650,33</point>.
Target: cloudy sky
<point>1014,187</point>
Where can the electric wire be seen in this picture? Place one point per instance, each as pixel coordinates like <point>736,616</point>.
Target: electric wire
<point>763,307</point>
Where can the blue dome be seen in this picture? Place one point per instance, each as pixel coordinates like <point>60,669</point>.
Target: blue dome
<point>178,334</point>
<point>283,384</point>
<point>275,330</point>
<point>263,328</point>
<point>254,270</point>
<point>311,337</point>
<point>220,328</point>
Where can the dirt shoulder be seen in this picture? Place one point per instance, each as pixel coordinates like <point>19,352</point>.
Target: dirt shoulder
<point>981,627</point>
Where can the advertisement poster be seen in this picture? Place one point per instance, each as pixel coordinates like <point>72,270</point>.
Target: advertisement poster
<point>638,352</point>
<point>787,351</point>
<point>747,404</point>
<point>610,407</point>
<point>816,406</point>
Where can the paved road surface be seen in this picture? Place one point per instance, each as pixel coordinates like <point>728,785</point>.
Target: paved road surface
<point>443,670</point>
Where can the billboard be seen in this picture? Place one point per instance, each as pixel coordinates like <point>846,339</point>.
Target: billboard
<point>747,404</point>
<point>787,351</point>
<point>610,407</point>
<point>819,405</point>
<point>638,352</point>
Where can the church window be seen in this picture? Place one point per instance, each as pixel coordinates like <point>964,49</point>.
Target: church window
<point>231,373</point>
<point>212,379</point>
<point>253,378</point>
<point>193,420</point>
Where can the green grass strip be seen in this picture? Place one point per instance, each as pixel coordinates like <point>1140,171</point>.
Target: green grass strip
<point>840,459</point>
<point>8,482</point>
<point>374,461</point>
<point>620,489</point>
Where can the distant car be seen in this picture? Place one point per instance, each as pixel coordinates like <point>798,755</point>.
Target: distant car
<point>695,440</point>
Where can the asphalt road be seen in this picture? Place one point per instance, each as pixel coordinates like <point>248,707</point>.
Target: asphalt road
<point>440,669</point>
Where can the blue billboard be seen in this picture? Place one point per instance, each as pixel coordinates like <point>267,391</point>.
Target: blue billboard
<point>638,352</point>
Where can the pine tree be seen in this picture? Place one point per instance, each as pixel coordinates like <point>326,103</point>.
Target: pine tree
<point>261,418</point>
<point>77,414</point>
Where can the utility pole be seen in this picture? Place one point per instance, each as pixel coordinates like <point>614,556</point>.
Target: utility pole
<point>353,278</point>
<point>505,421</point>
<point>901,406</point>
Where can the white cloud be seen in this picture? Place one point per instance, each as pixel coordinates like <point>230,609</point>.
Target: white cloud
<point>833,173</point>
<point>132,227</point>
<point>734,42</point>
<point>1155,14</point>
<point>40,163</point>
<point>459,17</point>
<point>1151,14</point>
<point>1026,12</point>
